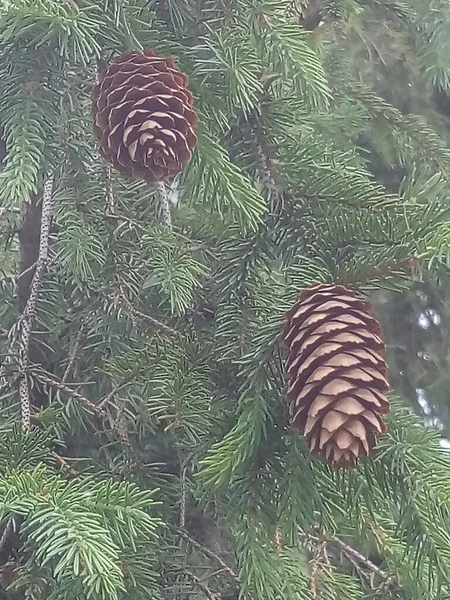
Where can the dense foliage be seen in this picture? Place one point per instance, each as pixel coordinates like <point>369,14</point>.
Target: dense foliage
<point>158,461</point>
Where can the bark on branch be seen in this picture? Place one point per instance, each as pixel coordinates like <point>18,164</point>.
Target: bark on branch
<point>28,315</point>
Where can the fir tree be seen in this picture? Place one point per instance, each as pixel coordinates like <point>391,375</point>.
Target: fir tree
<point>146,450</point>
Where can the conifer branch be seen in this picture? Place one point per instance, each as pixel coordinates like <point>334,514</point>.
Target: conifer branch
<point>351,552</point>
<point>29,314</point>
<point>99,410</point>
<point>208,553</point>
<point>137,314</point>
<point>274,193</point>
<point>59,385</point>
<point>199,583</point>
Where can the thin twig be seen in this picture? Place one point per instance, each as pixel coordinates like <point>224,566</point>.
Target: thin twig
<point>110,200</point>
<point>155,322</point>
<point>314,571</point>
<point>183,498</point>
<point>65,465</point>
<point>205,589</point>
<point>30,268</point>
<point>208,553</point>
<point>354,555</point>
<point>29,314</point>
<point>277,540</point>
<point>73,354</point>
<point>134,312</point>
<point>102,404</point>
<point>85,403</point>
<point>192,245</point>
<point>349,551</point>
<point>274,192</point>
<point>99,410</point>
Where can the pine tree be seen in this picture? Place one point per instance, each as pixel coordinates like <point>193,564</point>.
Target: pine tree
<point>146,448</point>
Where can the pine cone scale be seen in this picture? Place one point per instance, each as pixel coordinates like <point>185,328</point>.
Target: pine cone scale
<point>337,374</point>
<point>143,116</point>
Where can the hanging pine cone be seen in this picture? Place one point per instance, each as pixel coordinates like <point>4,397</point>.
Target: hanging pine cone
<point>337,373</point>
<point>143,116</point>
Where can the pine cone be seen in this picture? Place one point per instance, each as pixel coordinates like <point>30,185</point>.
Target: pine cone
<point>143,117</point>
<point>337,373</point>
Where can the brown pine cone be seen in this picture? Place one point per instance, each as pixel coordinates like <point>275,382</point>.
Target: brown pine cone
<point>337,373</point>
<point>143,117</point>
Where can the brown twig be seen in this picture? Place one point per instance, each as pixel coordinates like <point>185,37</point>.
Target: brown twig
<point>354,556</point>
<point>351,552</point>
<point>315,564</point>
<point>85,403</point>
<point>99,410</point>
<point>208,553</point>
<point>106,400</point>
<point>134,312</point>
<point>198,582</point>
<point>277,540</point>
<point>65,465</point>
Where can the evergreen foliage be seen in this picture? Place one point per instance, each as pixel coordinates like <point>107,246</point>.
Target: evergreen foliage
<point>160,462</point>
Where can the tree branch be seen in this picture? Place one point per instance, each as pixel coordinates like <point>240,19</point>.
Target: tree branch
<point>99,410</point>
<point>208,553</point>
<point>205,589</point>
<point>351,552</point>
<point>134,312</point>
<point>59,385</point>
<point>29,314</point>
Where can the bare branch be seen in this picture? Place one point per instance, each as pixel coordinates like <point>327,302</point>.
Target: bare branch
<point>102,404</point>
<point>358,560</point>
<point>205,589</point>
<point>315,563</point>
<point>208,553</point>
<point>134,312</point>
<point>351,552</point>
<point>29,314</point>
<point>59,385</point>
<point>99,410</point>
